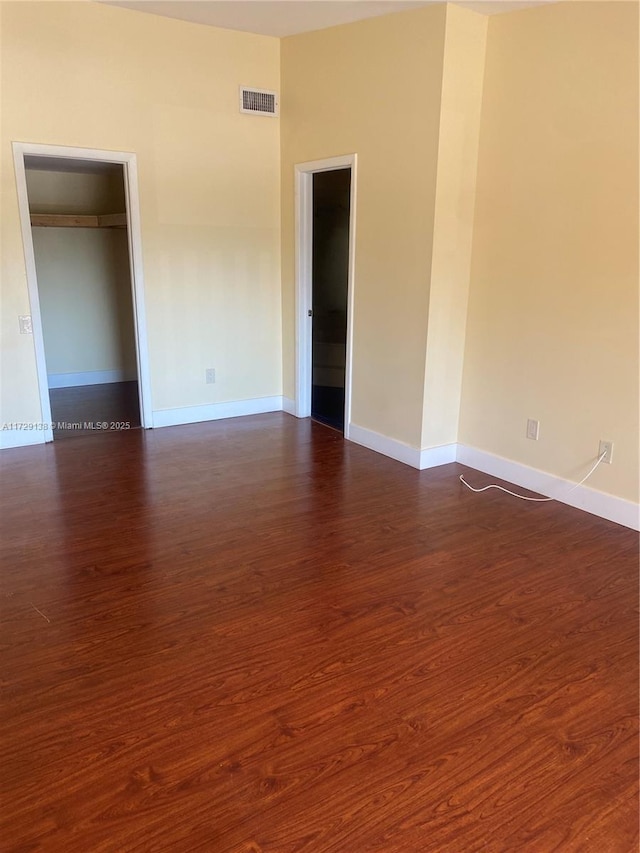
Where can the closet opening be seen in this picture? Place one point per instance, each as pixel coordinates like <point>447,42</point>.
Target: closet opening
<point>325,209</point>
<point>329,294</point>
<point>81,249</point>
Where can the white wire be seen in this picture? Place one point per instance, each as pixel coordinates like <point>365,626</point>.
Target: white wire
<point>536,500</point>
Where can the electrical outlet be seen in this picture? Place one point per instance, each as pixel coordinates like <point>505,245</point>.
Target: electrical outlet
<point>606,447</point>
<point>210,375</point>
<point>533,429</point>
<point>24,323</point>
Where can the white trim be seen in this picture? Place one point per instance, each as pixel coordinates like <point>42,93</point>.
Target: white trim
<point>590,500</point>
<point>89,377</point>
<point>21,437</point>
<point>216,411</point>
<point>303,173</point>
<point>383,444</point>
<point>303,240</point>
<point>431,457</point>
<point>585,498</point>
<point>32,289</point>
<point>130,175</point>
<point>289,406</point>
<point>134,233</point>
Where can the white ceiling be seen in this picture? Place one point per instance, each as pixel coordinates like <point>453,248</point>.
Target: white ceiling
<point>288,17</point>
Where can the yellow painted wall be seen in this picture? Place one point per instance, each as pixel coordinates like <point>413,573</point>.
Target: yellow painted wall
<point>552,330</point>
<point>462,81</point>
<point>552,321</point>
<point>372,88</point>
<point>84,74</point>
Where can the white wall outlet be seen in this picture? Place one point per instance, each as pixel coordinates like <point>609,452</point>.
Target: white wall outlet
<point>606,447</point>
<point>533,429</point>
<point>24,322</point>
<point>210,375</point>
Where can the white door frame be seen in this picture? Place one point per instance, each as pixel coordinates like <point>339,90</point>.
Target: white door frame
<point>304,279</point>
<point>132,201</point>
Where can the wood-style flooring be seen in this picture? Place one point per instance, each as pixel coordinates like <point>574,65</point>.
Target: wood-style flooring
<point>92,409</point>
<point>253,636</point>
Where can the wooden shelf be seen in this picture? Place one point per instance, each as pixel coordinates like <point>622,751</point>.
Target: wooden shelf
<point>64,220</point>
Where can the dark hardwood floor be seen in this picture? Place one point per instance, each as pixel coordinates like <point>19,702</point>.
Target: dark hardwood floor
<point>91,409</point>
<point>251,635</point>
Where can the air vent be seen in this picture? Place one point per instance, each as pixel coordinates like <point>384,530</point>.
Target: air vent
<point>259,102</point>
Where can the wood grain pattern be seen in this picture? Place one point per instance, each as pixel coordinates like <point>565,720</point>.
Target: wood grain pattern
<point>251,635</point>
<point>112,220</point>
<point>69,220</point>
<point>88,409</point>
<point>63,220</point>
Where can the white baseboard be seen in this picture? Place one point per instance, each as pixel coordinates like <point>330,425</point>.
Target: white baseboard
<point>590,500</point>
<point>216,411</point>
<point>90,377</point>
<point>289,406</point>
<point>585,498</point>
<point>428,458</point>
<point>20,438</point>
<point>431,457</point>
<point>383,444</point>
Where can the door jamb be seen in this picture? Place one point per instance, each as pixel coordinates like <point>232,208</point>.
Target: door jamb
<point>303,257</point>
<point>132,201</point>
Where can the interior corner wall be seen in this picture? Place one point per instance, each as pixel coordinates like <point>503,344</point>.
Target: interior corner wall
<point>552,331</point>
<point>85,302</point>
<point>372,88</point>
<point>95,76</point>
<point>462,83</point>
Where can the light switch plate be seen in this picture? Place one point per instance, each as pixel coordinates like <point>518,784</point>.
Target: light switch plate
<point>24,321</point>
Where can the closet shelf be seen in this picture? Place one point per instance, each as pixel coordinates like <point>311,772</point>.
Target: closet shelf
<point>64,220</point>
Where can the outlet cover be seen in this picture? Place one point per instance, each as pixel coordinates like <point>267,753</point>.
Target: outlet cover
<point>24,323</point>
<point>606,447</point>
<point>533,429</point>
<point>210,375</point>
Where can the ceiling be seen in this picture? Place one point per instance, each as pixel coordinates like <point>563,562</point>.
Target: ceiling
<point>288,17</point>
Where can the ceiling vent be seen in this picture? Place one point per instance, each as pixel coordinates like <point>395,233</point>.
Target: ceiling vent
<point>259,102</point>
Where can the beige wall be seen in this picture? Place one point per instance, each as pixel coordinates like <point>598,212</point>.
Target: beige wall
<point>372,88</point>
<point>462,81</point>
<point>552,329</point>
<point>548,248</point>
<point>84,74</point>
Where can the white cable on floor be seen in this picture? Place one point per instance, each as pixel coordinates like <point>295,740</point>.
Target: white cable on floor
<point>536,500</point>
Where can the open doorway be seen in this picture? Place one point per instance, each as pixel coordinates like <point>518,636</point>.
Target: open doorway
<point>78,228</point>
<point>325,251</point>
<point>80,224</point>
<point>329,295</point>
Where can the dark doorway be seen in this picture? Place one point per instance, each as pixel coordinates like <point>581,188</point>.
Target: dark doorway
<point>330,274</point>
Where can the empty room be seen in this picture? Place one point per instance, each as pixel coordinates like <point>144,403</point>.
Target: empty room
<point>319,498</point>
